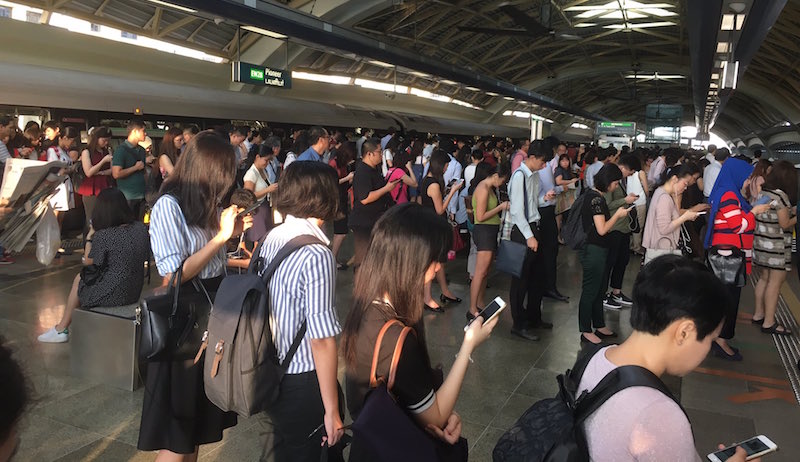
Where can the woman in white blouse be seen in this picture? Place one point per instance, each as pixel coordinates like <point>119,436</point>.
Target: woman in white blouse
<point>186,229</point>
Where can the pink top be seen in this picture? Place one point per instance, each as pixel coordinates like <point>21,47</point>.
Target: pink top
<point>516,159</point>
<point>400,192</point>
<point>636,424</point>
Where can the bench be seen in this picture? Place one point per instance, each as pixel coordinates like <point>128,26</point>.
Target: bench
<point>104,346</point>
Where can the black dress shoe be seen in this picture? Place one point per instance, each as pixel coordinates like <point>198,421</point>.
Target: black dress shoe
<point>602,335</point>
<point>446,299</point>
<point>541,325</point>
<point>555,295</point>
<point>435,309</point>
<point>586,340</point>
<point>524,333</point>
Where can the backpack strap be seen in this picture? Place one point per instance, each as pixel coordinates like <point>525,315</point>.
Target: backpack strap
<point>617,380</point>
<point>576,373</point>
<point>288,248</point>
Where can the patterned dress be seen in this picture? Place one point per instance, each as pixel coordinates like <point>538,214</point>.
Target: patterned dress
<point>772,245</point>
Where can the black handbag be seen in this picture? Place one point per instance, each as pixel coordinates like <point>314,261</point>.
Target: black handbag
<point>728,263</point>
<point>92,274</point>
<point>173,320</point>
<point>387,430</point>
<point>510,254</point>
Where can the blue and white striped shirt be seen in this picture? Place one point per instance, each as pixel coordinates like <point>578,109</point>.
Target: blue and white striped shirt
<point>302,288</point>
<point>173,241</point>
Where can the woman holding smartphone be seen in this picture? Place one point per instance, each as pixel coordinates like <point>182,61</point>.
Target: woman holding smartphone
<point>487,209</point>
<point>187,228</point>
<point>434,198</point>
<point>407,245</point>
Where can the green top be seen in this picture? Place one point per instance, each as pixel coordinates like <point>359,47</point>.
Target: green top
<point>615,200</point>
<point>126,155</point>
<point>491,203</point>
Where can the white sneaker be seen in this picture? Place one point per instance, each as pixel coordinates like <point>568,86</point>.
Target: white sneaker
<point>53,336</point>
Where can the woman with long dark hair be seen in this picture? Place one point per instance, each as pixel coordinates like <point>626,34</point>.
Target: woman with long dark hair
<point>187,229</point>
<point>487,209</point>
<point>757,178</point>
<point>404,255</point>
<point>63,200</point>
<point>117,246</point>
<point>401,170</point>
<point>434,197</point>
<point>772,246</point>
<point>169,150</point>
<point>732,222</point>
<point>96,164</point>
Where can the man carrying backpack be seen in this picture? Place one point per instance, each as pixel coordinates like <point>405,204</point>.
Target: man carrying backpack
<point>306,414</point>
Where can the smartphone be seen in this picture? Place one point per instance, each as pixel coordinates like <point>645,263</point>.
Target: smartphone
<point>248,210</point>
<point>630,206</point>
<point>491,311</point>
<point>702,213</point>
<point>755,447</point>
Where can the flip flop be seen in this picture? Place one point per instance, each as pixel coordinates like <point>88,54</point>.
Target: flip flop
<point>773,329</point>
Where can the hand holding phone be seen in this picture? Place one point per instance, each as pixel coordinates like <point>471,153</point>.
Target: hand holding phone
<point>754,447</point>
<point>491,311</point>
<point>248,210</point>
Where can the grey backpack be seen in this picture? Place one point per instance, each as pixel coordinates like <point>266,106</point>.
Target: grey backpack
<point>242,372</point>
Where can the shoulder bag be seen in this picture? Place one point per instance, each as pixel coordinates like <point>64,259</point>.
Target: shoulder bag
<point>729,263</point>
<point>510,254</point>
<point>173,320</point>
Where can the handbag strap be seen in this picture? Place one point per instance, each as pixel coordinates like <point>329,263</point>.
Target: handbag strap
<point>398,348</point>
<point>373,377</point>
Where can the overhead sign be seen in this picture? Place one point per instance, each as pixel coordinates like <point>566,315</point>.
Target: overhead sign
<point>260,75</point>
<point>616,128</point>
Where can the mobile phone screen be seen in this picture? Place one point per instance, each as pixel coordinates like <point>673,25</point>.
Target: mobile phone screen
<point>491,310</point>
<point>751,446</point>
<point>248,211</point>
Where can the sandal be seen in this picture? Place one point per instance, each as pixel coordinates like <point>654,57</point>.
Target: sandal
<point>435,309</point>
<point>773,329</point>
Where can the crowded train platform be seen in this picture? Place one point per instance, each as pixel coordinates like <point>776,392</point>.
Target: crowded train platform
<point>399,231</point>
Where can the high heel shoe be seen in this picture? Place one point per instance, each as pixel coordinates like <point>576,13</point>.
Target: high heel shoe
<point>470,316</point>
<point>605,336</point>
<point>446,299</point>
<point>719,352</point>
<point>435,309</point>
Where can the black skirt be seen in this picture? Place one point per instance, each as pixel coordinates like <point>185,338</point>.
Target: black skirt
<point>485,237</point>
<point>176,415</point>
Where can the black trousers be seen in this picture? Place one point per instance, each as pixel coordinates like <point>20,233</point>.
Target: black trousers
<point>530,284</point>
<point>619,255</point>
<point>138,208</point>
<point>286,426</point>
<point>548,245</point>
<point>729,326</point>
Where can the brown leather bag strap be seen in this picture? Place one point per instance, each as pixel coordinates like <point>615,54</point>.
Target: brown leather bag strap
<point>398,348</point>
<point>373,378</point>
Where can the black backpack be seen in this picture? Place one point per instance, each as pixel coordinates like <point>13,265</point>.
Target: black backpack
<point>573,233</point>
<point>241,370</point>
<point>552,429</point>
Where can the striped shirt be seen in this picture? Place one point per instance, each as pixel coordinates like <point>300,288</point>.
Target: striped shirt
<point>302,288</point>
<point>732,226</point>
<point>173,241</point>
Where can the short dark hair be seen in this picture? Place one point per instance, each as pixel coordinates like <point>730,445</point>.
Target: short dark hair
<point>238,129</point>
<point>111,210</point>
<point>192,128</point>
<point>315,133</point>
<point>631,162</point>
<point>722,154</point>
<point>757,154</point>
<point>71,132</point>
<point>369,145</point>
<point>539,149</point>
<point>6,120</point>
<point>308,190</point>
<point>672,287</point>
<point>135,124</point>
<point>243,198</point>
<point>607,174</point>
<point>14,390</point>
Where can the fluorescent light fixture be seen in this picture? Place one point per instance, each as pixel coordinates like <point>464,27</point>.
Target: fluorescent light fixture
<point>334,79</point>
<point>723,47</point>
<point>448,82</point>
<point>615,5</point>
<point>266,32</point>
<point>579,126</point>
<point>715,76</point>
<point>585,24</point>
<point>173,6</point>
<point>641,25</point>
<point>730,74</point>
<point>472,88</point>
<point>713,85</point>
<point>418,74</point>
<point>732,22</point>
<point>463,103</point>
<point>655,76</point>
<point>380,63</point>
<point>372,84</point>
<point>508,98</point>
<point>491,93</point>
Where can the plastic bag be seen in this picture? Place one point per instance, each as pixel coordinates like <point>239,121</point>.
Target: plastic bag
<point>48,237</point>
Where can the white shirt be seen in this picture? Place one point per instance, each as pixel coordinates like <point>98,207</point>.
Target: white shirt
<point>710,174</point>
<point>386,158</point>
<point>254,176</point>
<point>453,172</point>
<point>591,171</point>
<point>427,151</point>
<point>385,140</point>
<point>359,144</point>
<point>290,157</point>
<point>469,174</point>
<point>634,186</point>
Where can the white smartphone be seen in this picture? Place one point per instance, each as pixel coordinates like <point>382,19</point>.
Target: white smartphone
<point>702,213</point>
<point>756,447</point>
<point>491,311</point>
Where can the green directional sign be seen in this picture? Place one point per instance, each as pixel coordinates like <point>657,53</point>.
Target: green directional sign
<point>616,128</point>
<point>260,75</point>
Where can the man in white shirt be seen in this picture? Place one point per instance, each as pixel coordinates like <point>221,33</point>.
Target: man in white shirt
<point>365,134</point>
<point>711,172</point>
<point>388,137</point>
<point>710,155</point>
<point>595,167</point>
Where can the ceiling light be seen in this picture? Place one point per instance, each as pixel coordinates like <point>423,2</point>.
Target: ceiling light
<point>655,76</point>
<point>730,74</point>
<point>723,47</point>
<point>737,7</point>
<point>584,24</point>
<point>641,25</point>
<point>334,79</point>
<point>508,98</point>
<point>715,76</point>
<point>380,63</point>
<point>615,5</point>
<point>472,88</point>
<point>372,84</point>
<point>418,74</point>
<point>266,32</point>
<point>491,93</point>
<point>171,5</point>
<point>448,82</point>
<point>732,22</point>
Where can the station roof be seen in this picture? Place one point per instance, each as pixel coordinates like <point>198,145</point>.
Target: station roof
<point>607,57</point>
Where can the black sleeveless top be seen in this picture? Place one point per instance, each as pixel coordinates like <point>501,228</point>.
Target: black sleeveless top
<point>426,199</point>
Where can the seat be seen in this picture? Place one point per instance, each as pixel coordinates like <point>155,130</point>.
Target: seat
<point>104,346</point>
